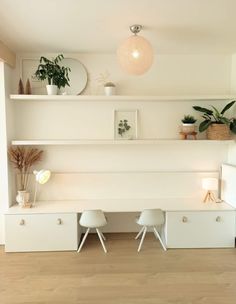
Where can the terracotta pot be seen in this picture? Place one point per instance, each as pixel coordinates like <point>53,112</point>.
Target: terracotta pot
<point>218,132</point>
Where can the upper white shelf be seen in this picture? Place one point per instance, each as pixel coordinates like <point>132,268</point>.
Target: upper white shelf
<point>57,142</point>
<point>102,98</point>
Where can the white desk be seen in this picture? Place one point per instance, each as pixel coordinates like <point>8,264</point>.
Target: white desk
<point>120,205</point>
<point>53,225</point>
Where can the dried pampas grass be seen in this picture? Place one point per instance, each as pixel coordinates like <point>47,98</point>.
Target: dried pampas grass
<point>23,159</point>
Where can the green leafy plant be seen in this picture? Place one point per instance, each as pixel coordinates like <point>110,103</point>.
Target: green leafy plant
<point>188,119</point>
<point>215,116</point>
<point>123,127</point>
<point>53,72</point>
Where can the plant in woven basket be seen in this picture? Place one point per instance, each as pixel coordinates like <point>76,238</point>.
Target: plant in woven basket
<point>23,159</point>
<point>213,117</point>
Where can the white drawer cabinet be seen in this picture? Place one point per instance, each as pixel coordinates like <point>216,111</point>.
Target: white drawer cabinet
<point>41,232</point>
<point>202,229</point>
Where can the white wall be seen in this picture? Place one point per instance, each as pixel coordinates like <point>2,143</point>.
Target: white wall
<point>6,131</point>
<point>169,75</point>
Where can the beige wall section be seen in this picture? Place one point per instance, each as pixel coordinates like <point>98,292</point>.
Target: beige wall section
<point>7,55</point>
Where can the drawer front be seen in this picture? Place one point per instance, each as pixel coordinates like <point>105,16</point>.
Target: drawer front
<point>41,232</point>
<point>200,229</point>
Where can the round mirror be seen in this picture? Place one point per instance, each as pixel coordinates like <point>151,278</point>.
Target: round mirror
<point>78,76</point>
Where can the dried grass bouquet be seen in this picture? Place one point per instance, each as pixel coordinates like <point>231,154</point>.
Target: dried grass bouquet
<point>23,159</point>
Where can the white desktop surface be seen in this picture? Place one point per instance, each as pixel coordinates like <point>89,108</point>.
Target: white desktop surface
<point>120,205</point>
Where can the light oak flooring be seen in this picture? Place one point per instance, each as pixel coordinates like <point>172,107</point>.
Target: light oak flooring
<point>122,276</point>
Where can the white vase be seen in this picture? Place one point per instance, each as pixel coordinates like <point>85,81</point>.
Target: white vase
<point>188,128</point>
<point>109,91</point>
<point>52,89</point>
<point>22,197</point>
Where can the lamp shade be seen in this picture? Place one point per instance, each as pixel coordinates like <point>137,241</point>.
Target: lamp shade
<point>210,183</point>
<point>42,176</point>
<point>135,55</point>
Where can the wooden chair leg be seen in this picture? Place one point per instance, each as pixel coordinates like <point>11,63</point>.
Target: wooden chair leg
<point>101,240</point>
<point>103,237</point>
<point>140,232</point>
<point>83,240</point>
<point>142,239</point>
<point>159,237</point>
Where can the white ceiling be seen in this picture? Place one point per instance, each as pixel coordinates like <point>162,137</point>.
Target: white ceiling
<point>172,26</point>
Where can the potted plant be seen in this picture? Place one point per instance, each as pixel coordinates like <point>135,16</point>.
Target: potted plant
<point>109,88</point>
<point>188,124</point>
<point>215,123</point>
<point>23,159</point>
<point>56,75</point>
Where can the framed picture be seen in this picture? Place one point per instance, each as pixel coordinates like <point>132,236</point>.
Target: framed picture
<point>125,124</point>
<point>28,66</point>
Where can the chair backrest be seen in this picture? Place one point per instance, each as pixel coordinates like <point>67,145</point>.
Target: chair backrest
<point>151,217</point>
<point>93,219</point>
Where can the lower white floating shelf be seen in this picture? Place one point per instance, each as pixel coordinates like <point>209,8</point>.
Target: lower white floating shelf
<point>57,142</point>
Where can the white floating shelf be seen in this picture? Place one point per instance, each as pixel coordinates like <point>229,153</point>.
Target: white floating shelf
<point>56,142</point>
<point>102,98</point>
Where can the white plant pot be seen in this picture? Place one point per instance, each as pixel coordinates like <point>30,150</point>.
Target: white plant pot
<point>52,89</point>
<point>22,197</point>
<point>188,128</point>
<point>109,91</point>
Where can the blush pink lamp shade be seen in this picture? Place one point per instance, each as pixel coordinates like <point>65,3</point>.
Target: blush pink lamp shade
<point>209,184</point>
<point>135,54</point>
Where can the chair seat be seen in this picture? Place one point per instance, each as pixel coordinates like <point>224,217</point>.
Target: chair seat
<point>93,219</point>
<point>151,217</point>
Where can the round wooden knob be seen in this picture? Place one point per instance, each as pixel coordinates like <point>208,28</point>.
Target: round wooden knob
<point>22,222</point>
<point>59,221</point>
<point>184,219</point>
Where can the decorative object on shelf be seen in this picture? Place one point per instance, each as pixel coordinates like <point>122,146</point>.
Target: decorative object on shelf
<point>28,90</point>
<point>41,177</point>
<point>78,77</point>
<point>125,124</point>
<point>209,184</point>
<point>188,128</point>
<point>216,124</point>
<point>22,198</point>
<point>109,89</point>
<point>188,135</point>
<point>21,87</point>
<point>188,124</point>
<point>57,76</point>
<point>23,159</point>
<point>135,54</point>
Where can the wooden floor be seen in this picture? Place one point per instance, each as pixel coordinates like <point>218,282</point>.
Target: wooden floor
<point>122,276</point>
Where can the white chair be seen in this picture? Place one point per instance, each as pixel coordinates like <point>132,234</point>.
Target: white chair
<point>150,218</point>
<point>93,219</point>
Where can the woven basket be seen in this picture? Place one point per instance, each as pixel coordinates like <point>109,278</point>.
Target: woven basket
<point>218,132</point>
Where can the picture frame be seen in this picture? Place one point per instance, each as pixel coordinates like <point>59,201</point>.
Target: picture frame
<point>125,124</point>
<point>27,69</point>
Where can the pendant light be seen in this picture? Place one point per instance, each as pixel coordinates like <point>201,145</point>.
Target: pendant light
<point>135,54</point>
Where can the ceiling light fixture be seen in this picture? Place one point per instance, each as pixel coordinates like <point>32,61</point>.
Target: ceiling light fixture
<point>135,54</point>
